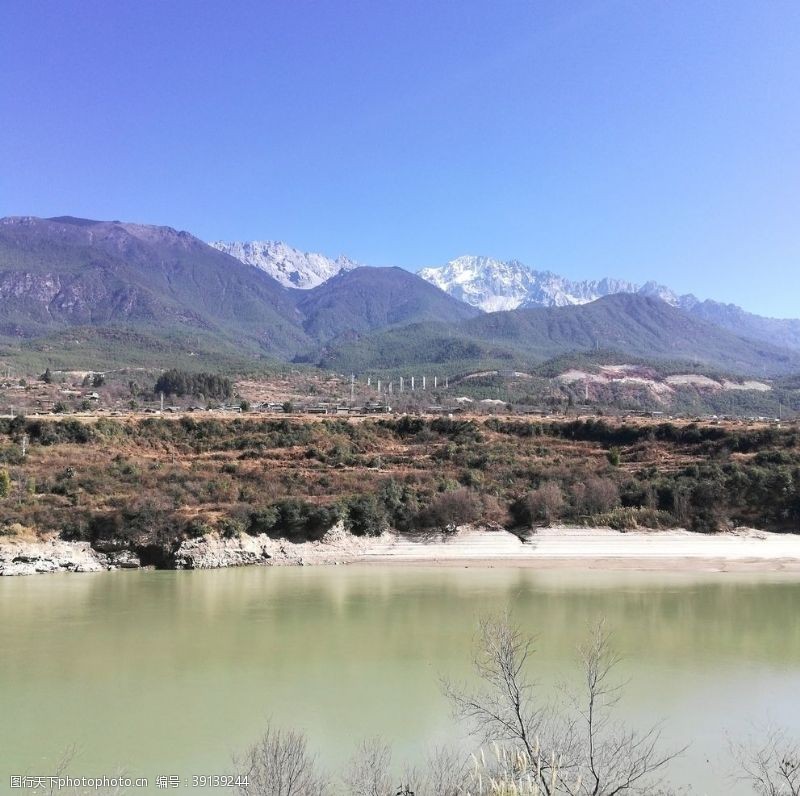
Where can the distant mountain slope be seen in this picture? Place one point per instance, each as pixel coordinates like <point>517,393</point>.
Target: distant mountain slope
<point>290,266</point>
<point>88,292</point>
<point>495,285</point>
<point>367,299</point>
<point>62,272</point>
<point>635,325</point>
<point>778,331</point>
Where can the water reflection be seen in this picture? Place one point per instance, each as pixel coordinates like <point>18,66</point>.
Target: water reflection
<point>168,672</point>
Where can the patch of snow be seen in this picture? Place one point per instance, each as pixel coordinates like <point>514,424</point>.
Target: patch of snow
<point>494,285</point>
<point>290,266</point>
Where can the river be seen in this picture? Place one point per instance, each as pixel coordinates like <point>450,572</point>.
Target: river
<point>169,673</point>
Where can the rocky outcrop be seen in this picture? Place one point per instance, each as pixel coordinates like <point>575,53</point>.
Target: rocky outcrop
<point>337,546</point>
<point>42,556</point>
<point>213,552</point>
<point>34,557</point>
<point>123,559</point>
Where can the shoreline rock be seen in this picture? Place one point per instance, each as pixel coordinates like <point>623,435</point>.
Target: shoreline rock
<point>43,556</point>
<point>337,546</point>
<point>20,557</point>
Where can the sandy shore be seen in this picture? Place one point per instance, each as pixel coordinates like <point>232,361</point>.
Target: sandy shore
<point>595,548</point>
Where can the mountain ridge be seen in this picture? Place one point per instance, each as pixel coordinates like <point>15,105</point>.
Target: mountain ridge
<point>109,291</point>
<point>497,285</point>
<point>629,324</point>
<point>289,266</point>
<point>494,285</point>
<point>366,299</point>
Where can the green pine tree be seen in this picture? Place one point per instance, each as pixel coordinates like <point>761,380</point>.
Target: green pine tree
<point>5,483</point>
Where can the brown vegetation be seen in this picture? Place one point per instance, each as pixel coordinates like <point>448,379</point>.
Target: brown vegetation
<point>148,482</point>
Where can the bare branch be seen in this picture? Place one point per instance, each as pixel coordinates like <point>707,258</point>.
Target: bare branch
<point>771,767</point>
<point>279,764</point>
<point>582,752</point>
<point>369,771</point>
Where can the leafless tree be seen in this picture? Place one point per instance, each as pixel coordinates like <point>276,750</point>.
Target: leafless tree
<point>575,751</point>
<point>613,759</point>
<point>772,766</point>
<point>444,773</point>
<point>62,765</point>
<point>60,771</point>
<point>368,773</point>
<point>279,764</point>
<point>505,710</point>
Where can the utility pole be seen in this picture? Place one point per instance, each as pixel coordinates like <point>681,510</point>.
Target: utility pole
<point>412,384</point>
<point>401,384</point>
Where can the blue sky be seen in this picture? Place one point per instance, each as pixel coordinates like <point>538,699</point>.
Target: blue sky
<point>644,140</point>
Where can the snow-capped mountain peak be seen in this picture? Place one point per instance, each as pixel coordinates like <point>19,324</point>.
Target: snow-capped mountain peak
<point>290,266</point>
<point>483,282</point>
<point>494,285</point>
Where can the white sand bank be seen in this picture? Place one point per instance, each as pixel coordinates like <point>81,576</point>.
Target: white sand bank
<point>594,549</point>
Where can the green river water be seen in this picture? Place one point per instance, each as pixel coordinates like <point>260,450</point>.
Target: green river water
<point>169,673</point>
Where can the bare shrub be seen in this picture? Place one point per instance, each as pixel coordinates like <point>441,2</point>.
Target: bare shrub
<point>545,503</point>
<point>504,709</point>
<point>627,518</point>
<point>279,764</point>
<point>612,758</point>
<point>456,507</point>
<point>444,773</point>
<point>771,767</point>
<point>368,771</point>
<point>578,749</point>
<point>596,495</point>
